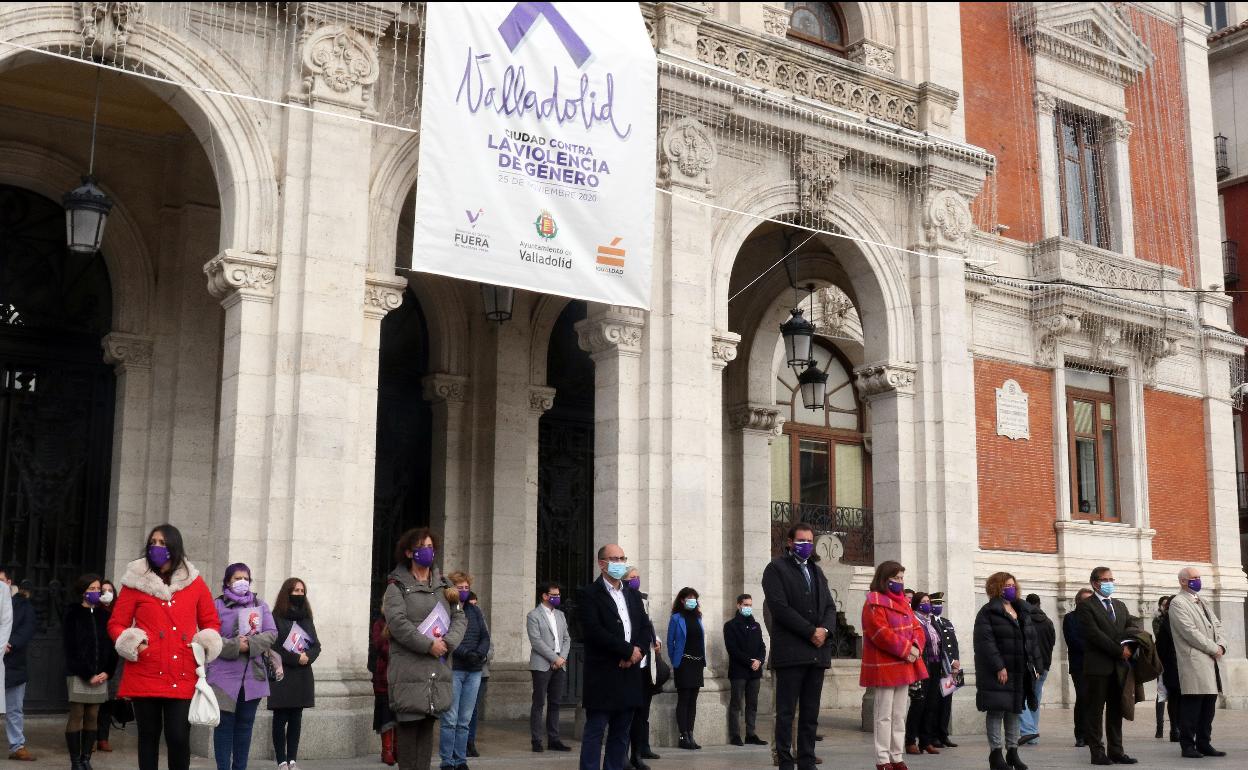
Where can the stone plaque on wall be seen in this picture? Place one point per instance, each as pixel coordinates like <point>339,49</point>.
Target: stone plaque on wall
<point>1013,419</point>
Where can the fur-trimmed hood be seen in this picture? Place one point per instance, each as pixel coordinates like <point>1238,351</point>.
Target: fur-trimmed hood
<point>139,576</point>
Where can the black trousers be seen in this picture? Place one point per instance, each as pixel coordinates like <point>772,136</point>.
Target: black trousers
<point>1104,706</point>
<point>798,690</point>
<point>639,730</point>
<point>1081,701</point>
<point>104,722</point>
<point>287,727</point>
<point>163,715</point>
<point>687,708</point>
<point>923,716</point>
<point>611,728</point>
<point>1196,720</point>
<point>946,717</point>
<point>744,693</point>
<point>414,742</point>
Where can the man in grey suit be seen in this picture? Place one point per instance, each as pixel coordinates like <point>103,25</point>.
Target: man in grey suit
<point>548,663</point>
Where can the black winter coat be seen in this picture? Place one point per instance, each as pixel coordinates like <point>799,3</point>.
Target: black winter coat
<point>793,611</point>
<point>88,647</point>
<point>20,636</point>
<point>1169,659</point>
<point>297,689</point>
<point>1074,643</point>
<point>472,652</point>
<point>607,687</point>
<point>1046,637</point>
<point>948,640</point>
<point>743,639</point>
<point>1002,643</point>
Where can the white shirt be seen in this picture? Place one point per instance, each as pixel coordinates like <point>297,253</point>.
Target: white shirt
<point>554,628</point>
<point>621,606</point>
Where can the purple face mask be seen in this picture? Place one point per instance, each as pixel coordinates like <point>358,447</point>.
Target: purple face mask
<point>803,550</point>
<point>925,608</point>
<point>554,601</point>
<point>463,595</point>
<point>1009,593</point>
<point>92,597</point>
<point>1193,585</point>
<point>634,583</point>
<point>896,587</point>
<point>938,610</point>
<point>424,555</point>
<point>158,555</point>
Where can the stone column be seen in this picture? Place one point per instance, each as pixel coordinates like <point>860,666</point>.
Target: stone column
<point>448,493</point>
<point>1050,166</point>
<point>752,427</point>
<point>888,390</point>
<point>131,358</point>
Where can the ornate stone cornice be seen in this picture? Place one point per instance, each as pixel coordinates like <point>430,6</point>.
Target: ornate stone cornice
<point>1092,37</point>
<point>236,275</point>
<point>874,380</point>
<point>872,55</point>
<point>541,399</point>
<point>616,329</point>
<point>754,417</point>
<point>689,154</point>
<point>723,348</point>
<point>776,20</point>
<point>382,293</point>
<point>445,388</point>
<point>127,351</point>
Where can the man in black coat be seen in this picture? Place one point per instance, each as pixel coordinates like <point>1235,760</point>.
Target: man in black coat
<point>15,667</point>
<point>1103,627</point>
<point>616,633</point>
<point>949,651</point>
<point>802,614</point>
<point>1074,662</point>
<point>1046,638</point>
<point>743,639</point>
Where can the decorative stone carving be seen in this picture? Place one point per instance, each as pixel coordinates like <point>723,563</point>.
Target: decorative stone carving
<point>753,417</point>
<point>776,19</point>
<point>1154,348</point>
<point>106,26</point>
<point>818,169</point>
<point>1046,102</point>
<point>1063,259</point>
<point>947,220</point>
<point>339,66</point>
<point>723,348</point>
<point>445,388</point>
<point>127,351</point>
<point>1104,340</point>
<point>874,56</point>
<point>382,294</point>
<point>236,274</point>
<point>1093,37</point>
<point>1049,331</point>
<point>834,313</point>
<point>883,378</point>
<point>541,399</point>
<point>618,329</point>
<point>688,147</point>
<point>1122,129</point>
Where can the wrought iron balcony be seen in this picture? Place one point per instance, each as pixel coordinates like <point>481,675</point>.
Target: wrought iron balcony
<point>1222,156</point>
<point>1230,262</point>
<point>854,527</point>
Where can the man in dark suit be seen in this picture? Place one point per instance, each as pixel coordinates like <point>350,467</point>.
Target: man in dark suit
<point>1074,662</point>
<point>1104,625</point>
<point>801,612</point>
<point>616,634</point>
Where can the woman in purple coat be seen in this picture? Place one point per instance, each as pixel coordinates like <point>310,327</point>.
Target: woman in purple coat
<point>239,677</point>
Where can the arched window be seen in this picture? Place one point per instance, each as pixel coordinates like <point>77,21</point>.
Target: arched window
<point>818,23</point>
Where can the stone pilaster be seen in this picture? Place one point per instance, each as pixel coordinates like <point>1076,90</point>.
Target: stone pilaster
<point>751,428</point>
<point>448,394</point>
<point>131,358</point>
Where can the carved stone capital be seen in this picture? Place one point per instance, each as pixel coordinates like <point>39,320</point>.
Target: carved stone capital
<point>1046,102</point>
<point>127,351</point>
<point>615,330</point>
<point>338,53</point>
<point>723,349</point>
<point>689,154</point>
<point>754,417</point>
<point>1155,347</point>
<point>382,293</point>
<point>107,26</point>
<point>234,275</point>
<point>1122,129</point>
<point>541,399</point>
<point>947,221</point>
<point>776,19</point>
<point>444,388</point>
<point>874,380</point>
<point>817,166</point>
<point>871,55</point>
<point>1049,332</point>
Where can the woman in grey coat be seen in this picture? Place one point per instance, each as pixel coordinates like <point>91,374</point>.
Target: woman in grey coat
<point>419,675</point>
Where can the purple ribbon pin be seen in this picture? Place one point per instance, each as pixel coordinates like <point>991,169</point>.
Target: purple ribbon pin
<point>524,15</point>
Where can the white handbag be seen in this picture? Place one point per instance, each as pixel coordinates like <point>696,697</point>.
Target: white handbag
<point>204,707</point>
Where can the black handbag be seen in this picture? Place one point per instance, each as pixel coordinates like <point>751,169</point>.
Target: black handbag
<point>662,673</point>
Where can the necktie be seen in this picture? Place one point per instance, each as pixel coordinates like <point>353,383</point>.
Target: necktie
<point>806,573</point>
<point>1109,607</point>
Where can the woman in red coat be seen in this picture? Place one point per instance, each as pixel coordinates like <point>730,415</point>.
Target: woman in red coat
<point>164,605</point>
<point>892,643</point>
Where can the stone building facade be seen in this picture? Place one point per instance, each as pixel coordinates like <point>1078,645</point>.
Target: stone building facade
<point>319,396</point>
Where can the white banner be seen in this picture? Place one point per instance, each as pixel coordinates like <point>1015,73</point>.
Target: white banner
<point>537,148</point>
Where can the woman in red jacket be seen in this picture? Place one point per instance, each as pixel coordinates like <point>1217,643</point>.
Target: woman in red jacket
<point>892,642</point>
<point>164,605</point>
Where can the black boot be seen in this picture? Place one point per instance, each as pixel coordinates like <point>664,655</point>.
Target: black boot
<point>1011,757</point>
<point>996,760</point>
<point>73,742</point>
<point>1161,718</point>
<point>685,742</point>
<point>88,744</point>
<point>692,742</point>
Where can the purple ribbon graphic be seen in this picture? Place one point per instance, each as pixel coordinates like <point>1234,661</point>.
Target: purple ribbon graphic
<point>524,15</point>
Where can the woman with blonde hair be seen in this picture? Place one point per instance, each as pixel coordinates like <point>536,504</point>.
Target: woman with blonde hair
<point>1007,653</point>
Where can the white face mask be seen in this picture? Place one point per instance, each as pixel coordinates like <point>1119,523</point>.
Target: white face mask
<point>106,597</point>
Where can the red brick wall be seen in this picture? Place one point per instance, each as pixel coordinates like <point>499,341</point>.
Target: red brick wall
<point>1235,208</point>
<point>1157,108</point>
<point>1017,501</point>
<point>998,102</point>
<point>1178,487</point>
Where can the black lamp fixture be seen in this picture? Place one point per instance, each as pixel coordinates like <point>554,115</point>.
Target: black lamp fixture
<point>798,333</point>
<point>87,207</point>
<point>498,301</point>
<point>814,385</point>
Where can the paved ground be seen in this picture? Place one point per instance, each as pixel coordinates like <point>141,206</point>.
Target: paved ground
<point>506,746</point>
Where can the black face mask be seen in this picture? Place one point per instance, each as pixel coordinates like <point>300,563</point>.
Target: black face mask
<point>298,602</point>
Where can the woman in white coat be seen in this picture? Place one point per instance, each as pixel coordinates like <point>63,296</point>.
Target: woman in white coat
<point>1198,646</point>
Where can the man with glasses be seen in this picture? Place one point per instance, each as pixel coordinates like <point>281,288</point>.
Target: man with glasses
<point>547,629</point>
<point>800,613</point>
<point>1105,625</point>
<point>616,634</point>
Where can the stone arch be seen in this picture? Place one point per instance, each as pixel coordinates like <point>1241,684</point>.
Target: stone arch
<point>870,21</point>
<point>125,252</point>
<point>229,132</point>
<point>392,182</point>
<point>546,312</point>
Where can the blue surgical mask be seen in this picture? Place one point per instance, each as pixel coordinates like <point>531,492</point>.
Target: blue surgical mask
<point>617,570</point>
<point>1107,588</point>
<point>691,603</point>
<point>747,612</point>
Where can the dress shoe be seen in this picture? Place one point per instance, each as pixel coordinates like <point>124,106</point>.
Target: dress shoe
<point>931,750</point>
<point>948,743</point>
<point>912,748</point>
<point>1012,758</point>
<point>736,741</point>
<point>1174,735</point>
<point>646,753</point>
<point>639,764</point>
<point>685,742</point>
<point>537,747</point>
<point>754,740</point>
<point>1190,752</point>
<point>472,750</point>
<point>558,746</point>
<point>818,737</point>
<point>23,755</point>
<point>884,767</point>
<point>1123,759</point>
<point>818,760</point>
<point>1100,758</point>
<point>1023,740</point>
<point>1080,743</point>
<point>463,766</point>
<point>1210,751</point>
<point>103,746</point>
<point>900,766</point>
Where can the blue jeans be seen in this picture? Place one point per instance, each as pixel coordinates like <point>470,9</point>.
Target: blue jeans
<point>14,717</point>
<point>1029,724</point>
<point>476,713</point>
<point>453,742</point>
<point>231,740</point>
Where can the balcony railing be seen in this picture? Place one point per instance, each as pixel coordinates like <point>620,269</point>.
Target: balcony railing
<point>1222,156</point>
<point>1230,262</point>
<point>854,527</point>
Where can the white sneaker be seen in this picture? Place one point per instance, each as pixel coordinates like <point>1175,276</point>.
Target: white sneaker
<point>293,766</point>
<point>284,766</point>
